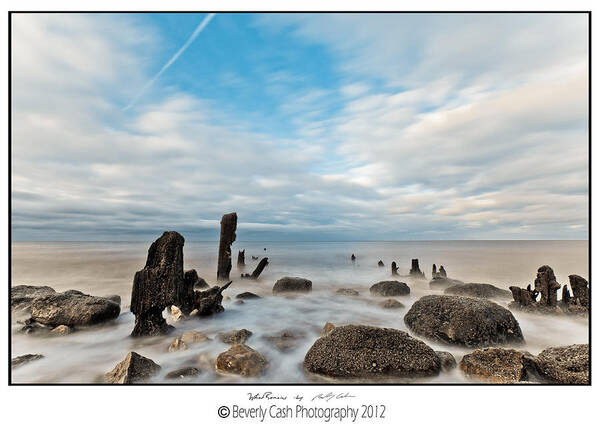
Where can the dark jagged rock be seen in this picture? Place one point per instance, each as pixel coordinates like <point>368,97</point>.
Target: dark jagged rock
<point>360,351</point>
<point>158,285</point>
<point>391,304</point>
<point>135,368</point>
<point>241,262</point>
<point>183,373</point>
<point>463,321</point>
<point>292,284</point>
<point>247,295</point>
<point>259,269</point>
<point>24,359</point>
<point>73,309</point>
<point>565,296</point>
<point>21,297</point>
<point>481,290</point>
<point>579,286</point>
<point>208,302</point>
<point>380,264</point>
<point>347,292</point>
<point>394,269</point>
<point>440,283</point>
<point>565,364</point>
<point>235,336</point>
<point>243,360</point>
<point>286,340</point>
<point>415,271</point>
<point>547,286</point>
<point>228,227</point>
<point>497,365</point>
<point>390,288</point>
<point>447,361</point>
<point>434,272</point>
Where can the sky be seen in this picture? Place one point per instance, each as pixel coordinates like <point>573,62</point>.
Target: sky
<point>309,126</point>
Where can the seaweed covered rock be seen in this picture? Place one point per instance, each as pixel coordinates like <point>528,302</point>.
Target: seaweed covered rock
<point>390,288</point>
<point>497,365</point>
<point>360,351</point>
<point>22,296</point>
<point>242,360</point>
<point>565,364</point>
<point>73,309</point>
<point>135,368</point>
<point>292,285</point>
<point>481,290</point>
<point>160,284</point>
<point>463,321</point>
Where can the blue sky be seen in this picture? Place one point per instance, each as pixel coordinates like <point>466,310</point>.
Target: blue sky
<point>311,127</point>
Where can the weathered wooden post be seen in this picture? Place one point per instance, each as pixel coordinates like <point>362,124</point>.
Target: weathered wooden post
<point>228,227</point>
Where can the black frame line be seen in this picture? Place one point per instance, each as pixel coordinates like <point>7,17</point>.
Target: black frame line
<point>309,384</point>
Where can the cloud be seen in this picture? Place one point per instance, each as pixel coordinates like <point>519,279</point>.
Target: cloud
<point>441,127</point>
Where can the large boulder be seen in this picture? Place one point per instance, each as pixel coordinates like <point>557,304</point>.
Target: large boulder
<point>21,297</point>
<point>243,360</point>
<point>160,284</point>
<point>390,288</point>
<point>292,284</point>
<point>441,283</point>
<point>463,321</point>
<point>481,290</point>
<point>73,309</point>
<point>565,364</point>
<point>135,368</point>
<point>497,365</point>
<point>360,351</point>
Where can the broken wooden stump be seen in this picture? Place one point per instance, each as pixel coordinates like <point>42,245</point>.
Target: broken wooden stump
<point>158,285</point>
<point>228,227</point>
<point>394,268</point>
<point>208,302</point>
<point>259,268</point>
<point>241,262</point>
<point>415,271</point>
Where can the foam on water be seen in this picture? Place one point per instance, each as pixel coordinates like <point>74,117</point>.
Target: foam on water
<point>107,268</point>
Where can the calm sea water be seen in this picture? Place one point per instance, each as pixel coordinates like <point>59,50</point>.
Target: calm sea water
<point>106,268</point>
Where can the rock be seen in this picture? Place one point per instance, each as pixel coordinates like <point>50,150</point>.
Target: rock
<point>73,309</point>
<point>24,359</point>
<point>481,290</point>
<point>390,288</point>
<point>380,264</point>
<point>192,337</point>
<point>247,295</point>
<point>34,328</point>
<point>440,283</point>
<point>22,296</point>
<point>347,292</point>
<point>160,284</point>
<point>391,304</point>
<point>292,284</point>
<point>235,336</point>
<point>327,328</point>
<point>415,271</point>
<point>243,360</point>
<point>286,340</point>
<point>546,284</point>
<point>177,345</point>
<point>579,285</point>
<point>134,368</point>
<point>176,313</point>
<point>565,364</point>
<point>61,330</point>
<point>496,365</point>
<point>394,269</point>
<point>228,227</point>
<point>182,373</point>
<point>360,351</point>
<point>114,298</point>
<point>447,361</point>
<point>463,321</point>
<point>194,313</point>
<point>239,302</point>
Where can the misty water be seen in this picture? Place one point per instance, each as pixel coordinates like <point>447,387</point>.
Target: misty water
<point>107,268</point>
